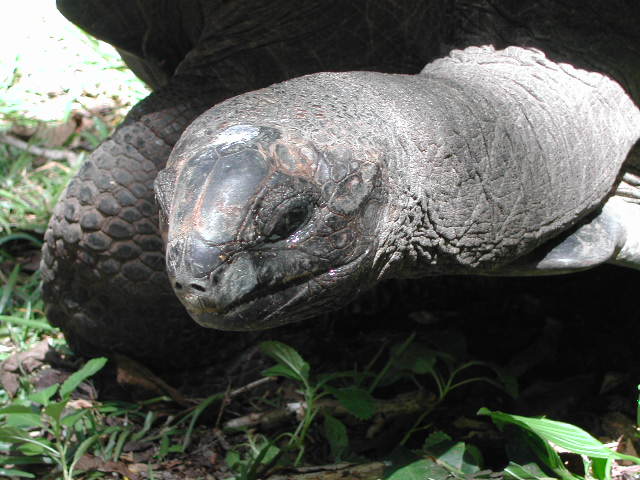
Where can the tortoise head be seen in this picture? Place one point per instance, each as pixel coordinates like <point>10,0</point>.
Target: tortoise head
<point>263,227</point>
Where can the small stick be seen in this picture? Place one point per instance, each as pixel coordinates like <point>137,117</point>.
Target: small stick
<point>49,153</point>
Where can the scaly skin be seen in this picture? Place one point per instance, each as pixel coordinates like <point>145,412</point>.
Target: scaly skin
<point>103,280</point>
<point>280,205</point>
<point>103,267</point>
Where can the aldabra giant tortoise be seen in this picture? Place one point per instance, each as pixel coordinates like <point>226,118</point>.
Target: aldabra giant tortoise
<point>508,156</point>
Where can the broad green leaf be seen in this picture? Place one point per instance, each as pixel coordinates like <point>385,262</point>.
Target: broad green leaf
<point>83,447</point>
<point>13,409</point>
<point>602,468</point>
<point>233,459</point>
<point>72,418</point>
<point>12,472</point>
<point>526,446</point>
<point>11,460</point>
<point>356,400</point>
<point>336,434</point>
<point>11,435</point>
<point>461,457</point>
<point>421,470</point>
<point>417,358</point>
<point>281,370</point>
<point>434,439</point>
<point>562,434</point>
<point>268,452</point>
<point>287,356</point>
<point>457,456</point>
<point>26,419</point>
<point>531,471</point>
<point>55,409</point>
<point>90,368</point>
<point>43,396</point>
<point>32,448</point>
<point>25,322</point>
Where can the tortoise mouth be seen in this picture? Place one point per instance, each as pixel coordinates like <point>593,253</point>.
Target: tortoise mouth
<point>254,311</point>
<point>288,302</point>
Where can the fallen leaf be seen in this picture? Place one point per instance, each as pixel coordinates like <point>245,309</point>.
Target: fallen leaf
<point>132,374</point>
<point>90,463</point>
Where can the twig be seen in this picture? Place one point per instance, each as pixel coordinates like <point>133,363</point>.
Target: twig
<point>251,386</point>
<point>367,471</point>
<point>49,153</point>
<point>412,402</point>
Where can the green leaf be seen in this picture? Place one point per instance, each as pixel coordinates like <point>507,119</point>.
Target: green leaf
<point>562,434</point>
<point>458,457</point>
<point>55,409</point>
<point>280,370</point>
<point>21,416</point>
<point>267,453</point>
<point>336,434</point>
<point>90,368</point>
<point>297,368</point>
<point>602,468</point>
<point>417,358</point>
<point>13,409</point>
<point>33,448</point>
<point>25,322</point>
<point>233,459</point>
<point>531,471</point>
<point>82,449</point>
<point>356,400</point>
<point>434,439</point>
<point>420,470</point>
<point>43,396</point>
<point>461,457</point>
<point>12,460</point>
<point>12,472</point>
<point>72,418</point>
<point>10,434</point>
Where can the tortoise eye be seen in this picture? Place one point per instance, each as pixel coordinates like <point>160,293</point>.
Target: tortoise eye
<point>287,220</point>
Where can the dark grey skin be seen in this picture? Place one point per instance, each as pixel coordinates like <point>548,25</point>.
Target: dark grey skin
<point>376,196</point>
<point>293,199</point>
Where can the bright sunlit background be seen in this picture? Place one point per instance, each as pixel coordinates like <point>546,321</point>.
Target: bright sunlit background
<point>48,67</point>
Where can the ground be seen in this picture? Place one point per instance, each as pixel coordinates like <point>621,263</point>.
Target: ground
<point>396,380</point>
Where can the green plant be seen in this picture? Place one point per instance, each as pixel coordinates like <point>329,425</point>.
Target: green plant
<point>542,434</point>
<point>411,358</point>
<point>355,396</point>
<point>355,399</point>
<point>440,458</point>
<point>43,430</point>
<point>28,192</point>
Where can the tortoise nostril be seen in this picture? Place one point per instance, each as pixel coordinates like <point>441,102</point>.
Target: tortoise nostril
<point>177,286</point>
<point>197,287</point>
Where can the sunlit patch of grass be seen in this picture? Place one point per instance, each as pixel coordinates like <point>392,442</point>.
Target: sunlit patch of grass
<point>49,68</point>
<point>50,71</point>
<point>29,188</point>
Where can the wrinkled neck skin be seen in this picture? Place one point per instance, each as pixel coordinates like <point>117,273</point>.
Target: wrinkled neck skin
<point>292,199</point>
<point>495,152</point>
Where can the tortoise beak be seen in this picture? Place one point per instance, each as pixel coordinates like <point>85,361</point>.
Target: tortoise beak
<point>208,297</point>
<point>205,263</point>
